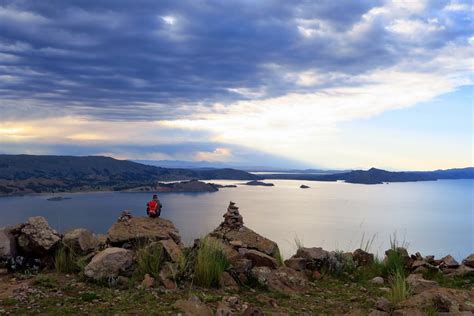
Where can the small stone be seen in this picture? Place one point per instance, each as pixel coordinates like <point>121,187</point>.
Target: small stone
<point>383,305</point>
<point>377,280</point>
<point>253,311</point>
<point>147,281</point>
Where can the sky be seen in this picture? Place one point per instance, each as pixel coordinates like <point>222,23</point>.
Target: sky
<point>297,84</point>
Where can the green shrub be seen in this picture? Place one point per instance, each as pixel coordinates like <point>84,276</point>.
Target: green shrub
<point>65,260</point>
<point>399,289</point>
<point>89,296</point>
<point>394,263</point>
<point>211,262</point>
<point>149,260</point>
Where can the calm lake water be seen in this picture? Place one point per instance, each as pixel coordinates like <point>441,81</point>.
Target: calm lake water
<point>433,217</point>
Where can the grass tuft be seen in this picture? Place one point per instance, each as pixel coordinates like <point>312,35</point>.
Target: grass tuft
<point>366,244</point>
<point>299,243</point>
<point>65,260</point>
<point>211,262</point>
<point>399,289</point>
<point>149,260</point>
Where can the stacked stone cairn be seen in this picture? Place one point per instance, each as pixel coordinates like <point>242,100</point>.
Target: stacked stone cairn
<point>232,218</point>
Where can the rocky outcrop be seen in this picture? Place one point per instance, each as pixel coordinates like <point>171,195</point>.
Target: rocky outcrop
<point>36,236</point>
<point>109,263</point>
<point>142,230</point>
<point>81,241</point>
<point>259,183</point>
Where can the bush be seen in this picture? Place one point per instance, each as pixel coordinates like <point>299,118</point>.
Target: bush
<point>399,287</point>
<point>211,262</point>
<point>149,260</point>
<point>65,260</point>
<point>339,264</point>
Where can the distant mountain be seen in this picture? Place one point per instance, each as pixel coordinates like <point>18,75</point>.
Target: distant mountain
<point>211,165</point>
<point>22,174</point>
<point>376,176</point>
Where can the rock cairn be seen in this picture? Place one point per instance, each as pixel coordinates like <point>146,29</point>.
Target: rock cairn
<point>232,218</point>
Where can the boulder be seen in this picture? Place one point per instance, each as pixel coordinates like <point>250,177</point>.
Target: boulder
<point>259,259</point>
<point>298,264</point>
<point>362,258</point>
<point>314,253</point>
<point>249,238</point>
<point>192,307</point>
<point>142,229</point>
<point>469,261</point>
<point>418,284</point>
<point>282,280</point>
<point>109,263</point>
<point>172,249</point>
<point>81,241</point>
<point>449,262</point>
<point>37,236</point>
<point>7,244</point>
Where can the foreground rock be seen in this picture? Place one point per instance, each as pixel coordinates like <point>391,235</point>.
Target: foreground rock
<point>282,280</point>
<point>141,230</point>
<point>109,263</point>
<point>469,261</point>
<point>81,241</point>
<point>36,236</point>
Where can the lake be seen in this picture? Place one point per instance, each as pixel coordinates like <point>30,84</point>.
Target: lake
<point>435,217</point>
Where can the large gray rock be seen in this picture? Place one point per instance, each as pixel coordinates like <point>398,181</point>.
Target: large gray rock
<point>282,280</point>
<point>7,244</point>
<point>249,238</point>
<point>37,236</point>
<point>109,263</point>
<point>142,229</point>
<point>259,259</point>
<point>173,250</point>
<point>81,241</point>
<point>314,253</point>
<point>418,284</point>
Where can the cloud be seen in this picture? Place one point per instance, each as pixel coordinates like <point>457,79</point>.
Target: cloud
<point>275,77</point>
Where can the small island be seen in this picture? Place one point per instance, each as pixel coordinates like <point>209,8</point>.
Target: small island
<point>259,183</point>
<point>58,198</point>
<point>304,186</point>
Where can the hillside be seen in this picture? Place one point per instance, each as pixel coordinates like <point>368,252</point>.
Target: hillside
<point>376,176</point>
<point>22,174</point>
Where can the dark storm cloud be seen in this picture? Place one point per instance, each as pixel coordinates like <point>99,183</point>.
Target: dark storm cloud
<point>158,59</point>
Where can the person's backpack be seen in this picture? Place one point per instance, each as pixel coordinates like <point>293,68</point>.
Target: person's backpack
<point>152,207</point>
